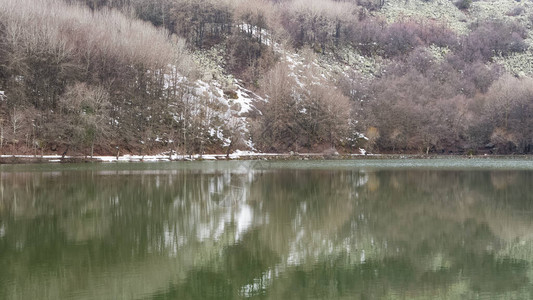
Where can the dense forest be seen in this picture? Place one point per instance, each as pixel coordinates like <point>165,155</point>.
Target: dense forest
<point>200,76</point>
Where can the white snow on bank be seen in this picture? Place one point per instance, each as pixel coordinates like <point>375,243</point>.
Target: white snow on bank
<point>145,158</point>
<point>238,154</point>
<point>33,156</point>
<point>241,153</point>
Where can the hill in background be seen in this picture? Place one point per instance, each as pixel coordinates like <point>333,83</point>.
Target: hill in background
<point>219,75</point>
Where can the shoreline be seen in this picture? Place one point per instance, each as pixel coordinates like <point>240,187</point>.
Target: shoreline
<point>36,159</point>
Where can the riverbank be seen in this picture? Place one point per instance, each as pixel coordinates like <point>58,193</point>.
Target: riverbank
<point>31,159</point>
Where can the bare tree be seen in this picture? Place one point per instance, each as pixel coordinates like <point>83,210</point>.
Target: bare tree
<point>16,118</point>
<point>87,109</point>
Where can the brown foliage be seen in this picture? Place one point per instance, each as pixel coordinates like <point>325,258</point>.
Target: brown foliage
<point>509,110</point>
<point>52,48</point>
<point>301,112</point>
<point>492,38</point>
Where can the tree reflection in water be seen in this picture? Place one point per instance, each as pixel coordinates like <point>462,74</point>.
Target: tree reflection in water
<point>237,230</point>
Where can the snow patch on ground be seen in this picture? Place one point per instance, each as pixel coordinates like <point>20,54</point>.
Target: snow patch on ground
<point>245,98</point>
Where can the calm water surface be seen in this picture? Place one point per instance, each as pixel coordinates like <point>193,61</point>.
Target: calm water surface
<point>398,229</point>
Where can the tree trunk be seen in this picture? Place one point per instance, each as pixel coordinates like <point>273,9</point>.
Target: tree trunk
<point>65,153</point>
<point>229,149</point>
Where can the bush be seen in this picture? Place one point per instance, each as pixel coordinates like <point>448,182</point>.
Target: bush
<point>371,4</point>
<point>492,38</point>
<point>401,38</point>
<point>463,4</point>
<point>369,36</point>
<point>509,108</point>
<point>481,75</point>
<point>307,113</point>
<point>516,11</point>
<point>433,33</point>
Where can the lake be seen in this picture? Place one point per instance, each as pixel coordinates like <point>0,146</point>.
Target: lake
<point>360,229</point>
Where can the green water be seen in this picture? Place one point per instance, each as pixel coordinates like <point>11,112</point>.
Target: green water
<point>399,229</point>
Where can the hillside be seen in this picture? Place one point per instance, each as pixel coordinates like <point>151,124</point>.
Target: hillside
<point>214,76</point>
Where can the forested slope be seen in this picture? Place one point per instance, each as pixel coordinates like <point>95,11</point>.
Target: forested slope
<point>296,75</point>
